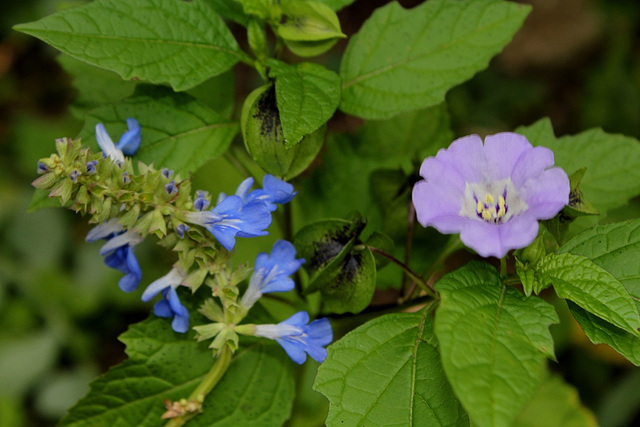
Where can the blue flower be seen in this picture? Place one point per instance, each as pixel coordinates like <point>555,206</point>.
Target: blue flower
<point>274,191</point>
<point>128,144</point>
<point>271,273</point>
<point>169,305</point>
<point>297,337</point>
<point>118,251</point>
<point>232,218</point>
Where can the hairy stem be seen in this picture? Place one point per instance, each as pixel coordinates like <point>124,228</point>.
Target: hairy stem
<point>416,278</point>
<point>208,383</point>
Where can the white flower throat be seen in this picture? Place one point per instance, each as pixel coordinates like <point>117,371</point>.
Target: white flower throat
<point>494,202</point>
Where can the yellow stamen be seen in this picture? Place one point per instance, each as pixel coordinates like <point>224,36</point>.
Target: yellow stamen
<point>501,207</point>
<point>488,199</point>
<point>480,207</point>
<point>487,214</point>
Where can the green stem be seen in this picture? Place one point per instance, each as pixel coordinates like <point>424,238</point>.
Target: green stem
<point>417,279</point>
<point>208,383</point>
<point>452,245</point>
<point>503,267</point>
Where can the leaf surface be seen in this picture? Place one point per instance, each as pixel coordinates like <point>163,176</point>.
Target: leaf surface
<point>132,393</point>
<point>493,342</point>
<point>178,132</point>
<point>387,372</point>
<point>403,60</point>
<point>160,41</point>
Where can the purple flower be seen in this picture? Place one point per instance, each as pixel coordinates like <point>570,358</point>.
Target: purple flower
<point>298,338</point>
<point>118,251</point>
<point>128,144</point>
<point>492,194</point>
<point>232,218</point>
<point>271,273</point>
<point>169,305</point>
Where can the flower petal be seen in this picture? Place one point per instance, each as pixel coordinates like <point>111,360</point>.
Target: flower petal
<point>484,238</point>
<point>502,152</point>
<point>546,194</point>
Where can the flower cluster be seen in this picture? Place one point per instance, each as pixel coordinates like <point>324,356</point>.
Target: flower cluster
<point>492,194</point>
<point>129,204</point>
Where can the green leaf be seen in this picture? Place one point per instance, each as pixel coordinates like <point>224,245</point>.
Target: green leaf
<point>388,372</point>
<point>130,38</point>
<point>165,365</point>
<point>178,132</point>
<point>229,9</point>
<point>493,342</point>
<point>336,4</point>
<point>613,247</point>
<point>600,331</point>
<point>403,60</point>
<point>593,288</point>
<point>95,86</point>
<point>612,161</point>
<point>264,139</point>
<point>555,403</point>
<point>307,96</point>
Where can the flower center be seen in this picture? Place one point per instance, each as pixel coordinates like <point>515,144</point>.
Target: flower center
<point>494,202</point>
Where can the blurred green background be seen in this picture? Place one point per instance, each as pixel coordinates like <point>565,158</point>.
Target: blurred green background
<point>575,61</point>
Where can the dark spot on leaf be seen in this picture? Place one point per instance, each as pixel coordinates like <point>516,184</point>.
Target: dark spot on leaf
<point>268,115</point>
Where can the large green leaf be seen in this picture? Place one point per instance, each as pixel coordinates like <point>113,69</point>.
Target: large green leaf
<point>614,247</point>
<point>612,162</point>
<point>131,38</point>
<point>95,86</point>
<point>307,96</point>
<point>493,342</point>
<point>403,60</point>
<point>593,288</point>
<point>388,372</point>
<point>257,390</point>
<point>178,132</point>
<point>555,403</point>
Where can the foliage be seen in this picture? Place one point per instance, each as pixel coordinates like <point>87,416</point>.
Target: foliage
<point>468,347</point>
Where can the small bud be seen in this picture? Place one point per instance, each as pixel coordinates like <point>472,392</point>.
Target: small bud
<point>91,166</point>
<point>181,229</point>
<point>201,203</point>
<point>42,168</point>
<point>171,188</point>
<point>125,177</point>
<point>167,173</point>
<point>74,176</point>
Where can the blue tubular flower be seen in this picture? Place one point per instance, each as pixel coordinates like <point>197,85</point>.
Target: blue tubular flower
<point>118,251</point>
<point>128,144</point>
<point>232,218</point>
<point>271,273</point>
<point>273,191</point>
<point>298,338</point>
<point>169,305</point>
